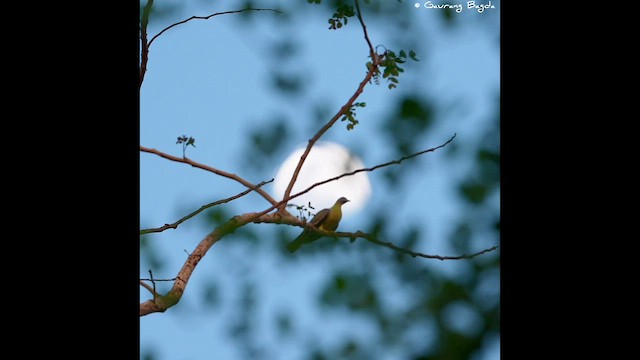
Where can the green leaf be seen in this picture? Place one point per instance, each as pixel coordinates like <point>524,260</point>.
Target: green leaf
<point>412,55</point>
<point>402,53</point>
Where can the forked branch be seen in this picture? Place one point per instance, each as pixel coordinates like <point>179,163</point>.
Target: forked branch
<point>202,208</point>
<point>222,173</point>
<point>373,69</point>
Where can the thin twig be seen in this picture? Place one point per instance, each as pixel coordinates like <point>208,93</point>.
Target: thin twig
<point>393,162</point>
<point>152,280</point>
<point>411,252</point>
<point>195,164</point>
<point>375,62</point>
<point>202,208</point>
<point>359,234</point>
<point>208,17</point>
<point>364,29</point>
<point>146,286</point>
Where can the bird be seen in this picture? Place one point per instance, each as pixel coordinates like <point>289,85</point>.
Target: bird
<point>325,219</point>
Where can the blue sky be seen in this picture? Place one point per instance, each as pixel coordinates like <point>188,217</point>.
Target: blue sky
<point>208,79</point>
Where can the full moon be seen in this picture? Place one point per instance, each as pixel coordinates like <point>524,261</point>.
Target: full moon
<point>326,160</point>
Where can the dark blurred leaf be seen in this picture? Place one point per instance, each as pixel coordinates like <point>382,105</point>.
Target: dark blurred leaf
<point>287,83</point>
<point>217,215</point>
<point>148,355</point>
<point>284,50</point>
<point>149,254</point>
<point>410,120</point>
<point>266,141</point>
<point>284,324</point>
<point>474,192</point>
<point>461,237</point>
<point>353,291</point>
<point>211,294</point>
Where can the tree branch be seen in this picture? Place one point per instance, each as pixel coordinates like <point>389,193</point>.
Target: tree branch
<point>393,162</point>
<point>153,292</point>
<point>213,170</point>
<point>208,17</point>
<point>143,37</point>
<point>162,303</point>
<point>146,44</point>
<point>291,220</point>
<point>375,62</point>
<point>372,239</point>
<point>202,208</point>
<point>364,29</point>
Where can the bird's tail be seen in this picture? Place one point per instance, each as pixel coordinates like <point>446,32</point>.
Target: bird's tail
<point>294,245</point>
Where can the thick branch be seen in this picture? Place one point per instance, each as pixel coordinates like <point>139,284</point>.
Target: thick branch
<point>162,303</point>
<point>202,208</point>
<point>375,62</point>
<point>143,37</point>
<point>213,170</point>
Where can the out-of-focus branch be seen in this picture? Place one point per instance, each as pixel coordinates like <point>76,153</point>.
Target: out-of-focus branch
<point>373,69</point>
<point>213,170</point>
<point>202,208</point>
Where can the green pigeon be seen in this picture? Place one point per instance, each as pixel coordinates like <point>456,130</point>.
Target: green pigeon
<point>325,219</point>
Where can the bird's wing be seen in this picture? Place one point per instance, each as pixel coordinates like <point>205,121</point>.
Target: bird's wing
<point>320,217</point>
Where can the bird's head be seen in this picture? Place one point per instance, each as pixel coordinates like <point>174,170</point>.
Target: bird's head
<point>342,200</point>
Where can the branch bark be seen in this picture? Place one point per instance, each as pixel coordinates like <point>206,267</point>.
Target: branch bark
<point>144,55</point>
<point>375,63</point>
<point>162,303</point>
<point>202,208</point>
<point>195,164</point>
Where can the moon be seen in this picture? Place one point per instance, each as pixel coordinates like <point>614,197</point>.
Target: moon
<point>326,160</point>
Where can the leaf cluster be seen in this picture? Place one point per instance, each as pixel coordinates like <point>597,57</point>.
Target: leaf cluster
<point>350,115</point>
<point>341,16</point>
<point>391,69</point>
<point>186,141</point>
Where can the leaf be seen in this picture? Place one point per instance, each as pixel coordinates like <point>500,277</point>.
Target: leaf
<point>412,55</point>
